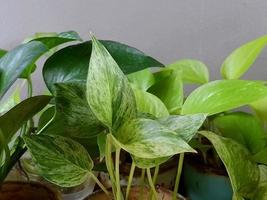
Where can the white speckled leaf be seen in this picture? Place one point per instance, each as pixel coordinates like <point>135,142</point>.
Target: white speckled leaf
<point>149,103</point>
<point>109,93</point>
<point>242,170</point>
<point>185,126</point>
<point>222,95</point>
<point>146,138</point>
<point>60,160</point>
<point>239,61</point>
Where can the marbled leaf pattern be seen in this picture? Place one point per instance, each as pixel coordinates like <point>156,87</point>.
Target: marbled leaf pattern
<point>146,138</point>
<point>60,160</point>
<point>109,93</point>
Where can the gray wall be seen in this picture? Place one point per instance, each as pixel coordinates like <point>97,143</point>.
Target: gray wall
<point>166,29</point>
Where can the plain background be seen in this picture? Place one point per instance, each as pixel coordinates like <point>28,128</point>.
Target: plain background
<point>168,30</point>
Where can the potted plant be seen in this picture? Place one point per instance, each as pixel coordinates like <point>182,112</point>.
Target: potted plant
<point>20,62</point>
<point>115,122</point>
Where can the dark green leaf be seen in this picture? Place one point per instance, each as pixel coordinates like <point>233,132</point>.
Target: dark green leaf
<point>60,160</point>
<point>239,61</point>
<point>11,121</point>
<point>193,71</point>
<point>222,95</point>
<point>71,63</point>
<point>243,171</point>
<point>169,88</point>
<point>243,128</point>
<point>74,117</point>
<point>13,63</point>
<point>184,126</point>
<point>146,138</point>
<point>149,103</point>
<point>109,93</point>
<point>141,80</point>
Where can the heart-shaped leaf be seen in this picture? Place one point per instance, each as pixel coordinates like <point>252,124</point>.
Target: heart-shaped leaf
<point>109,93</point>
<point>239,61</point>
<point>169,89</point>
<point>193,71</point>
<point>242,170</point>
<point>60,160</point>
<point>222,95</point>
<point>146,138</point>
<point>141,80</point>
<point>149,103</point>
<point>11,121</point>
<point>71,63</point>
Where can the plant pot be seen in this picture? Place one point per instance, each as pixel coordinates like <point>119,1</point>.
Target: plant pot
<point>205,183</point>
<point>136,191</point>
<point>11,190</point>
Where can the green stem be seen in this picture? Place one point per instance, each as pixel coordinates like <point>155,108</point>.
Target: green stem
<point>117,170</point>
<point>142,183</point>
<point>150,181</point>
<point>30,92</point>
<point>109,164</point>
<point>130,180</point>
<point>100,184</point>
<point>178,176</point>
<point>155,176</point>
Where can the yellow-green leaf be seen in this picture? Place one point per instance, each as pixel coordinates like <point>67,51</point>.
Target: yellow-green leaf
<point>239,61</point>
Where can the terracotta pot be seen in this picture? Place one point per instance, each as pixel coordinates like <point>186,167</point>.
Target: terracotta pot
<point>12,190</point>
<point>136,191</point>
